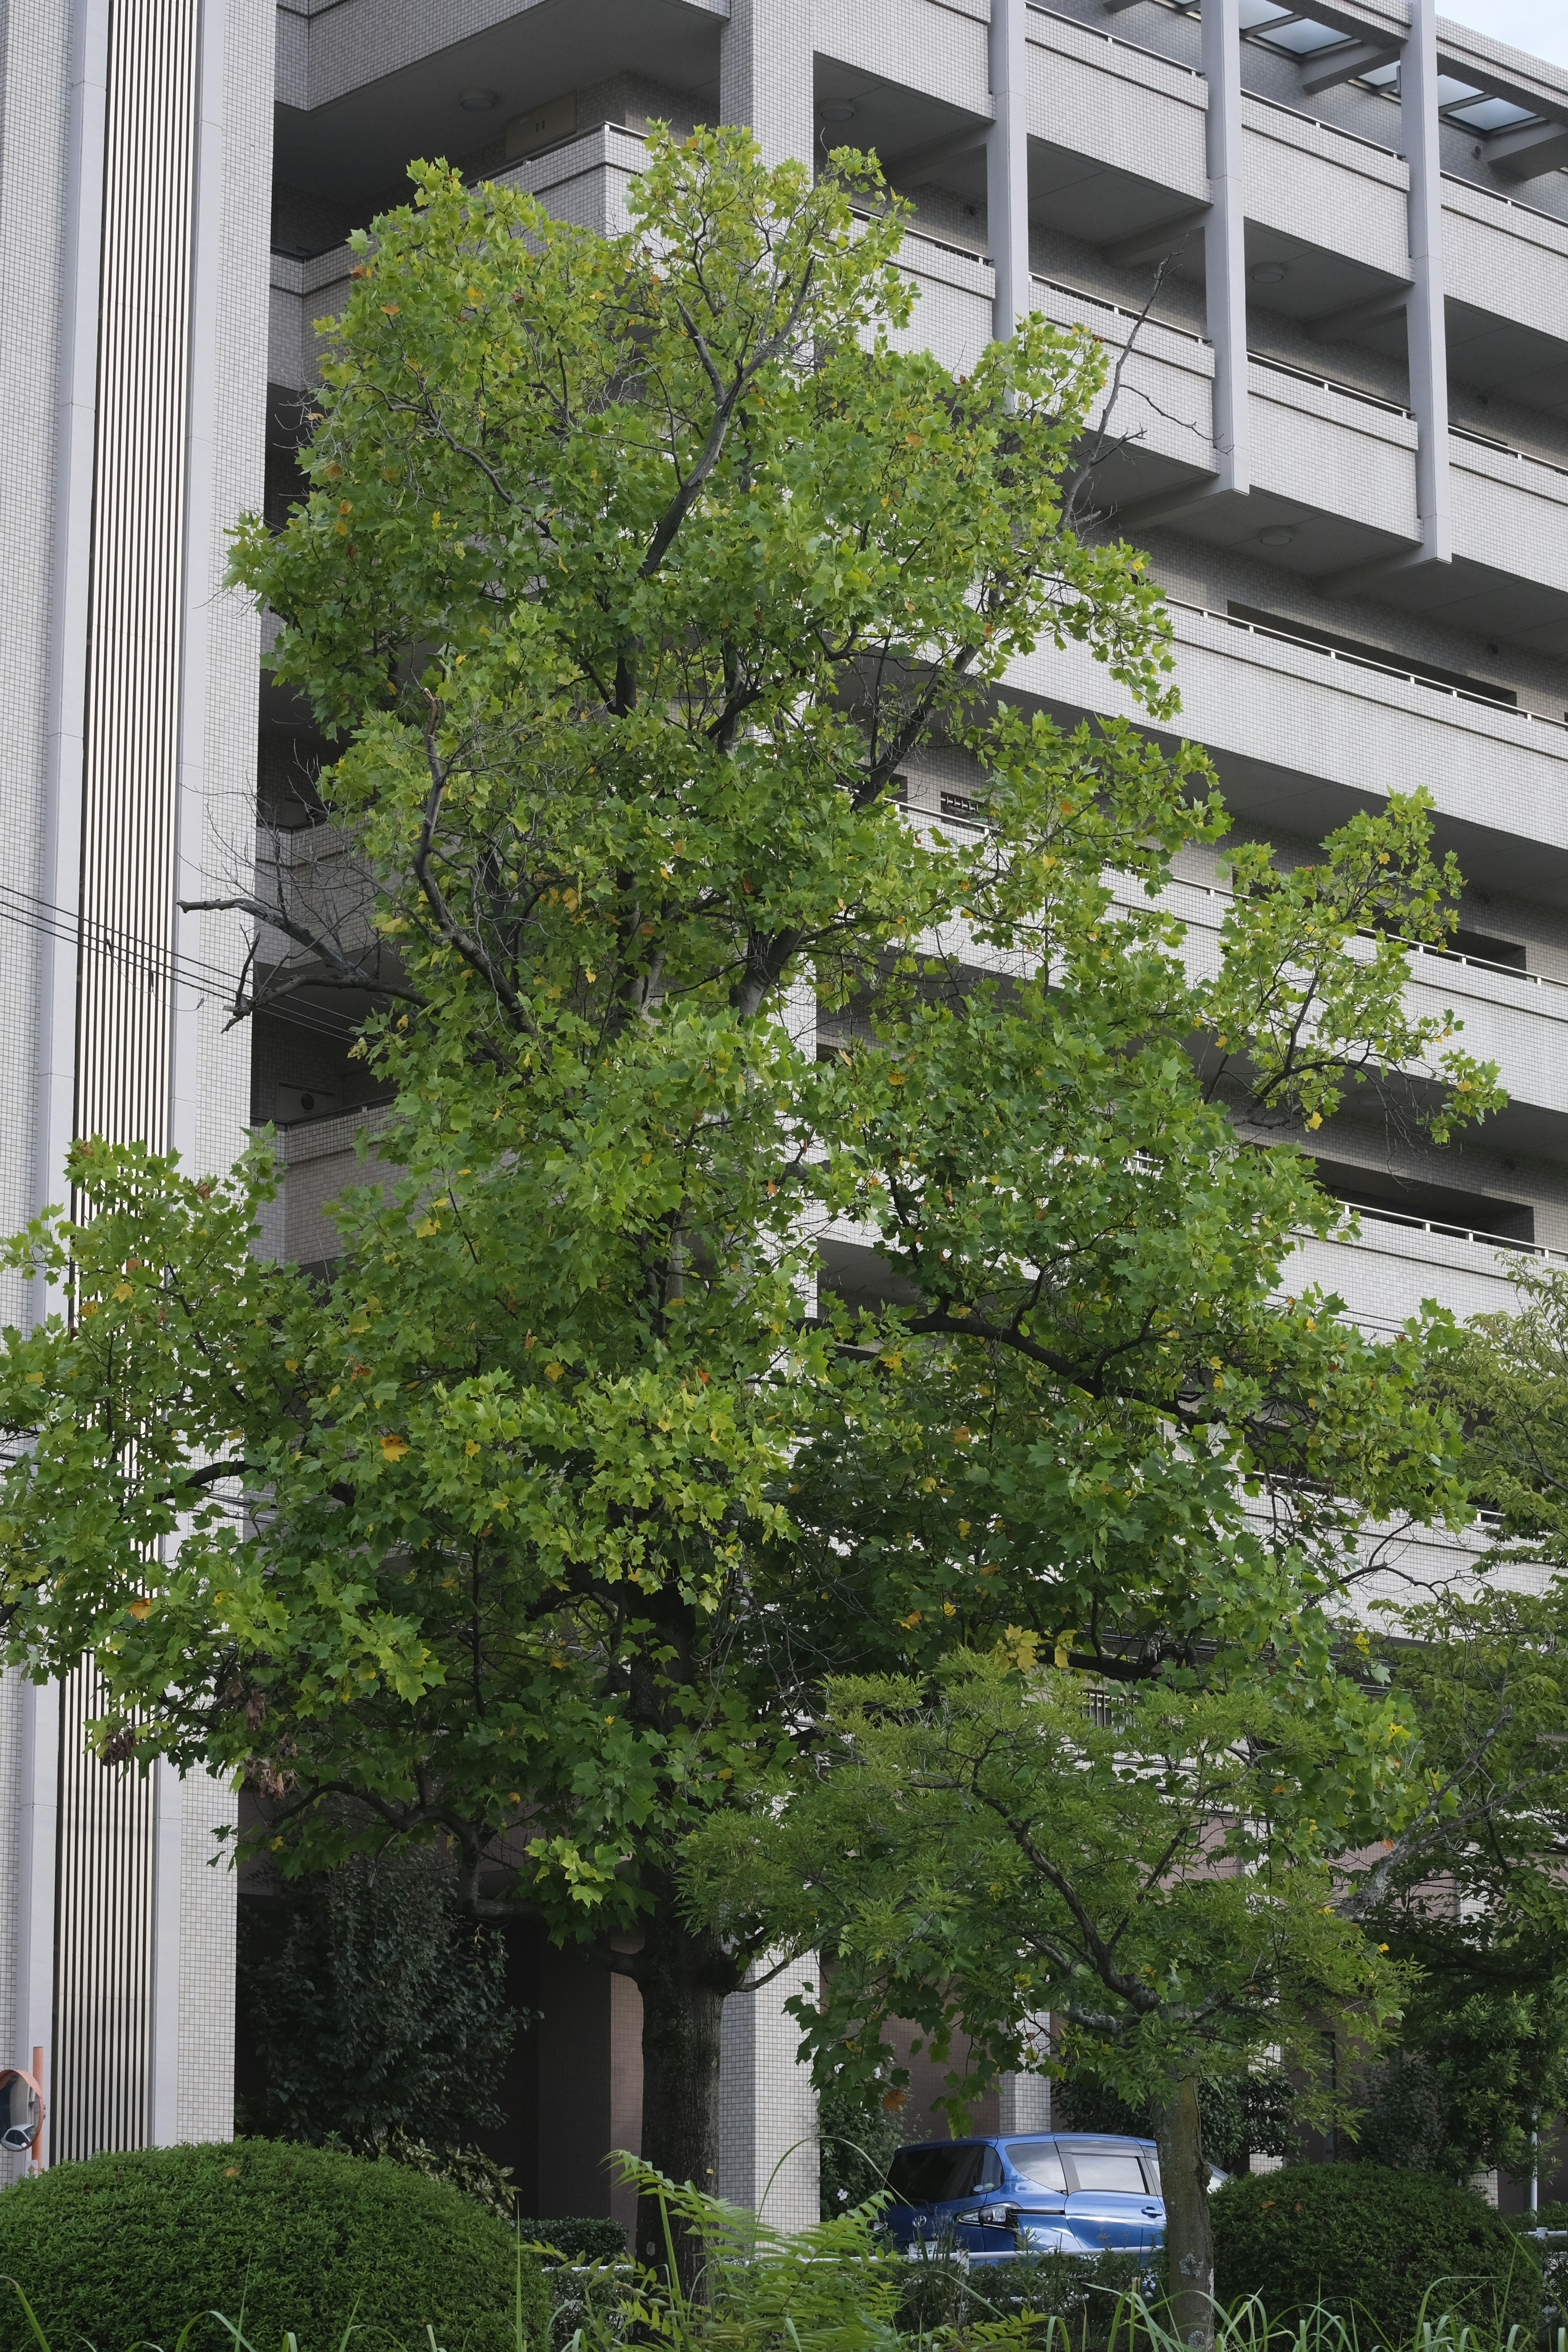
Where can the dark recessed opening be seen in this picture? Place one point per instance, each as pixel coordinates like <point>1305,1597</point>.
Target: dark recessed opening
<point>1403,1199</point>
<point>1357,649</point>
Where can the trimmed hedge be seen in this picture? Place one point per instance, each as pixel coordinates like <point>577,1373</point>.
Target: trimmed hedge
<point>1372,2244</point>
<point>578,2238</point>
<point>126,2248</point>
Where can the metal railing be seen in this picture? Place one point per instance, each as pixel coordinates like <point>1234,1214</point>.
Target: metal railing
<point>1449,1232</point>
<point>1330,384</point>
<point>1391,667</point>
<point>1119,310</point>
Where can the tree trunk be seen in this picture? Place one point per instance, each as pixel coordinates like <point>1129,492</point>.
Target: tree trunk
<point>1189,2232</point>
<point>684,1979</point>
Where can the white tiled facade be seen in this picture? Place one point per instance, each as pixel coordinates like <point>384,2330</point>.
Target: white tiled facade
<point>1342,435</point>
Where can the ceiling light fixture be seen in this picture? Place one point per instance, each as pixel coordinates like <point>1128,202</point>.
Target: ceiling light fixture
<point>1278,534</point>
<point>839,111</point>
<point>1269,273</point>
<point>477,102</point>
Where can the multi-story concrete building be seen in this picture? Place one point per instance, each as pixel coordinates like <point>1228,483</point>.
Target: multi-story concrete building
<point>1326,248</point>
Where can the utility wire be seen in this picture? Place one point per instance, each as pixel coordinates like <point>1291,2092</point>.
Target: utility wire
<point>50,921</point>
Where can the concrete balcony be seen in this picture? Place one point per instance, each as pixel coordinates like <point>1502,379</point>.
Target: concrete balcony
<point>1505,265</point>
<point>1329,187</point>
<point>582,180</point>
<point>1302,736</point>
<point>1098,101</point>
<point>1399,1264</point>
<point>317,1161</point>
<point>942,51</point>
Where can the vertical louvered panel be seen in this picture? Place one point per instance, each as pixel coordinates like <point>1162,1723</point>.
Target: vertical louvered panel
<point>104,1896</point>
<point>131,754</point>
<point>103,1939</point>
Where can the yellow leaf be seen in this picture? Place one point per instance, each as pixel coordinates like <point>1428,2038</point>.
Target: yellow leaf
<point>291,1363</point>
<point>141,1609</point>
<point>123,1290</point>
<point>553,1371</point>
<point>390,308</point>
<point>431,1225</point>
<point>470,1448</point>
<point>35,1380</point>
<point>393,1446</point>
<point>89,1306</point>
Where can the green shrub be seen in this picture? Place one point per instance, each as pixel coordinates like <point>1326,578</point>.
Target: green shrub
<point>1374,2246</point>
<point>1072,2297</point>
<point>577,2237</point>
<point>126,2248</point>
<point>857,2138</point>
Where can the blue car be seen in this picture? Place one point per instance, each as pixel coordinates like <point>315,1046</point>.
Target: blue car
<point>1034,2192</point>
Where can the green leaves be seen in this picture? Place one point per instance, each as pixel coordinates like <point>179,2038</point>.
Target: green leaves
<point>808,1234</point>
<point>1152,1866</point>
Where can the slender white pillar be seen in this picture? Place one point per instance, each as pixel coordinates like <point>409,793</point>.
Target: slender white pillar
<point>194,848</point>
<point>163,2034</point>
<point>35,1845</point>
<point>1224,251</point>
<point>1428,347</point>
<point>1008,165</point>
<point>60,885</point>
<point>765,77</point>
<point>768,2155</point>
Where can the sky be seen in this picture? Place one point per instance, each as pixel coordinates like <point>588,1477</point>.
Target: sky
<point>1539,25</point>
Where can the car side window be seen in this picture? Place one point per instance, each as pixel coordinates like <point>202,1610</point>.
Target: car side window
<point>1107,2170</point>
<point>1037,2162</point>
<point>991,2174</point>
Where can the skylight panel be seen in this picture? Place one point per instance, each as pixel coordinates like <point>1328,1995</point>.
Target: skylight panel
<point>1304,39</point>
<point>1487,114</point>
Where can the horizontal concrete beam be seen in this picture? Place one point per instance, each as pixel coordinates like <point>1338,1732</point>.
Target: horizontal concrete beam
<point>1332,66</point>
<point>1336,324</point>
<point>1153,244</point>
<point>1528,154</point>
<point>918,160</point>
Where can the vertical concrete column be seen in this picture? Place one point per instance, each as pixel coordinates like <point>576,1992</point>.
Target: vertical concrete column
<point>1024,2099</point>
<point>767,2109</point>
<point>1225,253</point>
<point>163,2022</point>
<point>765,76</point>
<point>1024,2102</point>
<point>1426,330</point>
<point>36,1847</point>
<point>77,409</point>
<point>1008,165</point>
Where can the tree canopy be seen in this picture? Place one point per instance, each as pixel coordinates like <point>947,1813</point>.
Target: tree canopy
<point>674,1357</point>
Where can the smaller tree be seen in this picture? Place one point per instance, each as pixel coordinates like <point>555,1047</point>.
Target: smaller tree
<point>1150,1864</point>
<point>1478,1906</point>
<point>377,2008</point>
<point>1241,2116</point>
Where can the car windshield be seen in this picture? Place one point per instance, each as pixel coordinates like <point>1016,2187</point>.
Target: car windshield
<point>1038,2163</point>
<point>927,2175</point>
<point>1106,2170</point>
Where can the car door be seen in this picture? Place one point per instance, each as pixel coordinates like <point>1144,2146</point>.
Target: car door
<point>934,2183</point>
<point>969,2232</point>
<point>1110,2203</point>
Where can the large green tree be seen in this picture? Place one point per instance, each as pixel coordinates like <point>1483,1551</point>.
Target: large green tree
<point>633,575</point>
